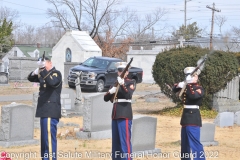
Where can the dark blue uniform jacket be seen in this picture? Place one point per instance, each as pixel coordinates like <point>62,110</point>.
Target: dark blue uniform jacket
<point>49,103</point>
<point>122,109</point>
<point>191,97</point>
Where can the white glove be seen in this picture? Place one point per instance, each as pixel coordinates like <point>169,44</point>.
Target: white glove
<point>120,80</point>
<point>112,90</point>
<point>180,85</point>
<point>35,72</point>
<point>41,64</point>
<point>189,79</point>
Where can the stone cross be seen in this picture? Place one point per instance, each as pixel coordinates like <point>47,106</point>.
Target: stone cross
<point>78,88</point>
<point>181,40</point>
<point>1,66</point>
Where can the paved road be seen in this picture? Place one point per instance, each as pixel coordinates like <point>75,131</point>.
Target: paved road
<point>26,97</point>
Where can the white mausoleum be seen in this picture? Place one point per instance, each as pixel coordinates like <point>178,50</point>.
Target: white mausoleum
<point>74,46</point>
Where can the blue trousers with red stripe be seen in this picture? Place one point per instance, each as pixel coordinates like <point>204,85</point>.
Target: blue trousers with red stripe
<point>121,139</point>
<point>49,138</point>
<point>190,141</point>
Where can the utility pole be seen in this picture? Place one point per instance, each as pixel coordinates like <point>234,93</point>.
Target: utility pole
<point>185,13</point>
<point>213,9</point>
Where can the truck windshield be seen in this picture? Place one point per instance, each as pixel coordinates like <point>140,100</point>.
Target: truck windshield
<point>96,63</point>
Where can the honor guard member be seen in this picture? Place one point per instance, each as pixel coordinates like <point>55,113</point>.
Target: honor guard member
<point>121,115</point>
<point>191,119</point>
<point>49,106</point>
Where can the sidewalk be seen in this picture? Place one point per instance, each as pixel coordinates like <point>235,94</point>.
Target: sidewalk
<point>27,97</point>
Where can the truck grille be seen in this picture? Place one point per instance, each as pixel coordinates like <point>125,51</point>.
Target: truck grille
<point>84,75</point>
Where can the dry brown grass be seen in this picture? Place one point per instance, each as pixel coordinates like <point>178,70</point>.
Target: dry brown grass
<point>167,136</point>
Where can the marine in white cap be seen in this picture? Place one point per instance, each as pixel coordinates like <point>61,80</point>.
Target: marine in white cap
<point>121,115</point>
<point>191,118</point>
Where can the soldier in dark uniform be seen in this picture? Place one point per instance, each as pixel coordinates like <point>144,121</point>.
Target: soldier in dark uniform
<point>191,119</point>
<point>121,116</point>
<point>49,106</point>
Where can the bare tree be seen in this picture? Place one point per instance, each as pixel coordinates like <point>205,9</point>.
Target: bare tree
<point>47,35</point>
<point>101,17</point>
<point>141,28</point>
<point>236,39</point>
<point>220,20</point>
<point>10,15</point>
<point>112,49</point>
<point>117,23</point>
<point>87,14</point>
<point>236,31</point>
<point>25,35</point>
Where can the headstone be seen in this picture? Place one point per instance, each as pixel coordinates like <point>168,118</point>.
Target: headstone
<point>224,119</point>
<point>67,104</point>
<point>2,66</point>
<point>3,78</point>
<point>96,117</point>
<point>144,134</point>
<point>68,97</point>
<point>34,104</point>
<point>207,135</point>
<point>237,118</point>
<point>17,125</point>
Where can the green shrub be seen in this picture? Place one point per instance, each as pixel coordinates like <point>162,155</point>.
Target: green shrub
<point>220,68</point>
<point>238,58</point>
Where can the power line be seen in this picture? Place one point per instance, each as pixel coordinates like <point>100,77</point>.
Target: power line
<point>22,5</point>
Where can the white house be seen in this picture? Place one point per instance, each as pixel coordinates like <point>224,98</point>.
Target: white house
<point>145,58</point>
<point>74,46</point>
<point>25,51</point>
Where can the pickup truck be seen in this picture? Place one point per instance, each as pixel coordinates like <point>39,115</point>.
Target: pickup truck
<point>99,73</point>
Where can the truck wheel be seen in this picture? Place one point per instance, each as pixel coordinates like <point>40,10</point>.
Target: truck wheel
<point>99,86</point>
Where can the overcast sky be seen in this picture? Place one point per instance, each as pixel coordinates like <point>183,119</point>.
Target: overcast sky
<point>33,12</point>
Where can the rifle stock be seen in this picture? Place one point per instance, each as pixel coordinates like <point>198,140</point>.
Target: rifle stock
<point>116,84</point>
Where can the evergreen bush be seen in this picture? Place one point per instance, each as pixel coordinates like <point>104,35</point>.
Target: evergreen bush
<point>220,68</point>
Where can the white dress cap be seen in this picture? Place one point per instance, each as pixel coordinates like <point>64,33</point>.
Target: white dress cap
<point>189,70</point>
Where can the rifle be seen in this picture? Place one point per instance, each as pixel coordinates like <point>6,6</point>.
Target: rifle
<point>122,76</point>
<point>198,67</point>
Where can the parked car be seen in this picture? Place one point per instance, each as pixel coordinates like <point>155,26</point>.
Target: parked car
<point>99,73</point>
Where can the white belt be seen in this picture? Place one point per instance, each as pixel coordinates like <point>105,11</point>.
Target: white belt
<point>191,106</point>
<point>123,100</point>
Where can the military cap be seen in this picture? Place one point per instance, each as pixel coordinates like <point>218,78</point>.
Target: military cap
<point>189,70</point>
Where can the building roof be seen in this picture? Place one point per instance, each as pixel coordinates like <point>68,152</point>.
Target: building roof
<point>83,40</point>
<point>27,49</point>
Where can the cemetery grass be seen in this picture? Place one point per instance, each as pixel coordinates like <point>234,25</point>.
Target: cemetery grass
<point>167,134</point>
